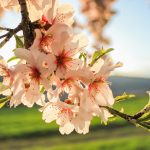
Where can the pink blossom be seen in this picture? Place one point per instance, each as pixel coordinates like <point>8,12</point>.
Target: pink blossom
<point>37,8</point>
<point>54,34</point>
<point>99,88</point>
<point>67,116</point>
<point>60,13</point>
<point>62,113</point>
<point>7,78</point>
<point>66,52</point>
<point>31,75</point>
<point>5,72</point>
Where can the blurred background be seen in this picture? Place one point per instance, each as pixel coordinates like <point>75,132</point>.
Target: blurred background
<point>121,24</point>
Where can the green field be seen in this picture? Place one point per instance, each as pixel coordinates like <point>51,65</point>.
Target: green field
<point>22,129</point>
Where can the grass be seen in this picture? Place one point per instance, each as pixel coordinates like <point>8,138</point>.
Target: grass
<point>22,128</point>
<point>115,144</point>
<point>126,138</point>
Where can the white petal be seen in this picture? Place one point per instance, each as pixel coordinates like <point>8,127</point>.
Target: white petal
<point>50,113</point>
<point>67,128</point>
<point>23,54</point>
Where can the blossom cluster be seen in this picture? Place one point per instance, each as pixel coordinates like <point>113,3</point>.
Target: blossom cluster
<point>51,74</point>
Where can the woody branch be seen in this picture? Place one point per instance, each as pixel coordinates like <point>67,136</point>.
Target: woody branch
<point>26,26</point>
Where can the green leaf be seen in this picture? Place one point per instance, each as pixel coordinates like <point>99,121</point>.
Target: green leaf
<point>124,97</point>
<point>98,54</point>
<point>42,90</point>
<point>113,118</point>
<point>14,50</point>
<point>12,59</point>
<point>4,100</point>
<point>2,104</point>
<point>19,43</point>
<point>84,56</point>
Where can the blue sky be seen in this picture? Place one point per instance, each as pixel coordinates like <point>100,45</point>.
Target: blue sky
<point>129,32</point>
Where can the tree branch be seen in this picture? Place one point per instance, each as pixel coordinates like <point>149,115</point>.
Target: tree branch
<point>2,36</point>
<point>141,113</point>
<point>27,28</point>
<point>118,113</point>
<point>132,119</point>
<point>5,29</point>
<point>9,35</point>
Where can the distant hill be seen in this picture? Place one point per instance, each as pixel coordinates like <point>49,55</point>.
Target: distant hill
<point>138,86</point>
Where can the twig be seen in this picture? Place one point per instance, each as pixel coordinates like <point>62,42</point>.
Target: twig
<point>2,36</point>
<point>9,35</point>
<point>5,29</point>
<point>132,119</point>
<point>141,113</point>
<point>118,113</point>
<point>26,26</point>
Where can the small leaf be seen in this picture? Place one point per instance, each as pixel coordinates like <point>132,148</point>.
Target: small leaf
<point>98,54</point>
<point>19,43</point>
<point>113,118</point>
<point>124,97</point>
<point>12,59</point>
<point>42,90</point>
<point>2,104</point>
<point>84,56</point>
<point>4,100</point>
<point>14,50</point>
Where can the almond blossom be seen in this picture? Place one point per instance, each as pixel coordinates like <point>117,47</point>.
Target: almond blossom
<point>33,74</point>
<point>2,9</point>
<point>7,5</point>
<point>56,33</point>
<point>100,93</point>
<point>99,88</point>
<point>7,77</point>
<point>37,8</point>
<point>89,98</point>
<point>59,13</point>
<point>66,52</point>
<point>67,116</point>
<point>51,74</point>
<point>62,113</point>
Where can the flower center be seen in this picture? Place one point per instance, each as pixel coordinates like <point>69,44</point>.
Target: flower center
<point>95,85</point>
<point>35,74</point>
<point>62,60</point>
<point>67,101</point>
<point>67,111</point>
<point>46,42</point>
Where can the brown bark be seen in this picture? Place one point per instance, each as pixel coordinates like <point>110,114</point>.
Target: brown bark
<point>27,27</point>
